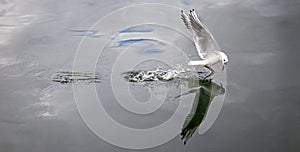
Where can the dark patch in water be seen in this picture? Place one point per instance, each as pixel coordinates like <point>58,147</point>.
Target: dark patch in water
<point>90,33</point>
<point>136,29</point>
<point>95,33</point>
<point>131,41</point>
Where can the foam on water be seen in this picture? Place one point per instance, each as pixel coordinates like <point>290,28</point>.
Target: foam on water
<point>164,74</point>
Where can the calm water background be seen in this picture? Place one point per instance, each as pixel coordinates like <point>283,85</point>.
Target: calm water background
<point>261,108</point>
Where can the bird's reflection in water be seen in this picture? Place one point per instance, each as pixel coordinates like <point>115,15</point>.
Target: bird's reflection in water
<point>205,91</point>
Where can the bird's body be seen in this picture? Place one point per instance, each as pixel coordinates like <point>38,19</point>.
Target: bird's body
<point>207,48</point>
<point>211,59</point>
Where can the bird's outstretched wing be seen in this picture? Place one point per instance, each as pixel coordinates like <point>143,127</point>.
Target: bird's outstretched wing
<point>203,39</point>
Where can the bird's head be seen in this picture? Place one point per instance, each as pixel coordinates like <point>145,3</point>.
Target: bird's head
<point>224,59</point>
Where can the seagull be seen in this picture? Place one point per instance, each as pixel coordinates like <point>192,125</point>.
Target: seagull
<point>206,45</point>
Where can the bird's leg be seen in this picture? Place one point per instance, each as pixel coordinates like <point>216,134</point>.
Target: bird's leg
<point>212,71</point>
<point>210,68</point>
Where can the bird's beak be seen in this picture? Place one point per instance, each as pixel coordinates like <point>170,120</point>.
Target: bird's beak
<point>223,67</point>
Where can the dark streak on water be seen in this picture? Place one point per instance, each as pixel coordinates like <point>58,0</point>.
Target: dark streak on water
<point>136,29</point>
<point>96,34</point>
<point>75,77</point>
<point>131,41</point>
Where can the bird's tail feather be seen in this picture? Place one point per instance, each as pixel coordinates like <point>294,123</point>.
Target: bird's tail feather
<point>199,62</point>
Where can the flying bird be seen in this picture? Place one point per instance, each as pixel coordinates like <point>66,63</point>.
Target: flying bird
<point>206,45</point>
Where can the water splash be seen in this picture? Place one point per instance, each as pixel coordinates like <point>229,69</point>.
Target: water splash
<point>163,74</point>
<point>75,77</point>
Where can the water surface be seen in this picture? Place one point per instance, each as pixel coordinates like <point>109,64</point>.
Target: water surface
<point>38,41</point>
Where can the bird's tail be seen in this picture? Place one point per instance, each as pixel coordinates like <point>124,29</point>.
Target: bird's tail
<point>199,62</point>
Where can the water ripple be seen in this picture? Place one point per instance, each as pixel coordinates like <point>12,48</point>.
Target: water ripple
<point>75,77</point>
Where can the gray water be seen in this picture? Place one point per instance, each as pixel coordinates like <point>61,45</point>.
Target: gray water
<point>39,39</point>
